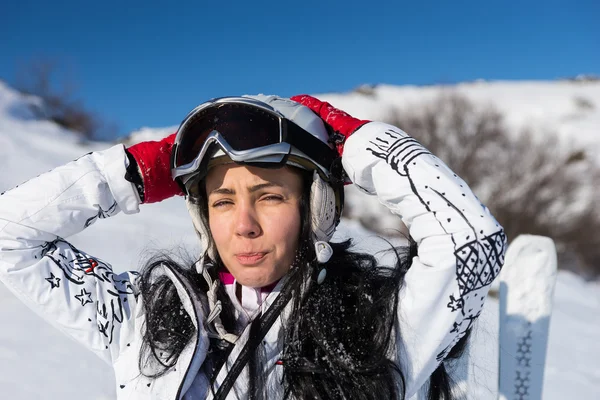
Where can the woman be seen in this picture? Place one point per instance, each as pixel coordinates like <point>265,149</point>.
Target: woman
<point>272,309</point>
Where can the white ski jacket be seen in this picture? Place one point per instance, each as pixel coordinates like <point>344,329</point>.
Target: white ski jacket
<point>460,251</point>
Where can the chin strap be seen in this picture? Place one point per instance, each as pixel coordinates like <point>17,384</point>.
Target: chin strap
<point>214,326</point>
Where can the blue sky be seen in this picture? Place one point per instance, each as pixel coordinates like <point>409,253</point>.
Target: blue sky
<point>149,63</point>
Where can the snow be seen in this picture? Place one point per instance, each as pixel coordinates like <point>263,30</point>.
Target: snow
<point>147,133</point>
<point>569,108</point>
<point>38,361</point>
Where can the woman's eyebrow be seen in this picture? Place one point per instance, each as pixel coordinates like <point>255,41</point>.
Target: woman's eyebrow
<point>225,191</point>
<point>265,185</point>
<point>251,189</point>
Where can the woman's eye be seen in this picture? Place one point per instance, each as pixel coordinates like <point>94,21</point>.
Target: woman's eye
<point>272,197</point>
<point>221,203</point>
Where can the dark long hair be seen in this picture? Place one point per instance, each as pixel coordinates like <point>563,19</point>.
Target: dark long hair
<point>339,344</point>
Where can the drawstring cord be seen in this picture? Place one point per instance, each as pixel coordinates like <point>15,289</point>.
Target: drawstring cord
<point>214,326</point>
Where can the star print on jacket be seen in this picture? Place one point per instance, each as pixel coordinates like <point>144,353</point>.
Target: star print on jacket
<point>54,281</point>
<point>84,297</point>
<point>82,269</point>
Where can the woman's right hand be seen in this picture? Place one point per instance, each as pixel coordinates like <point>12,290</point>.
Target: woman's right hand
<point>154,166</point>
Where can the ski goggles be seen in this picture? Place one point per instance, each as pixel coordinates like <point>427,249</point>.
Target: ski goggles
<point>248,132</point>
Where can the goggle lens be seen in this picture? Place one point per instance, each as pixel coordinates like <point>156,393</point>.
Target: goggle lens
<point>243,127</point>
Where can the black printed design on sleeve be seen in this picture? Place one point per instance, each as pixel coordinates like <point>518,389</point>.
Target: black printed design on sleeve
<point>397,149</point>
<point>479,255</point>
<point>92,281</point>
<point>102,214</point>
<point>53,281</point>
<point>84,297</point>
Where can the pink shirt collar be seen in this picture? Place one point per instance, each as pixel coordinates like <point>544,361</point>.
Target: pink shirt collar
<point>228,279</point>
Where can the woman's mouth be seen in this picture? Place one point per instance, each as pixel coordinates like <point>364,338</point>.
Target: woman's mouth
<point>250,258</point>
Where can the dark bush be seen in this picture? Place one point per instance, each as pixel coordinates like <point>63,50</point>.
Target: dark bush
<point>59,104</point>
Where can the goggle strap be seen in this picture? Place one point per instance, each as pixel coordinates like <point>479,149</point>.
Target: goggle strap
<point>320,152</point>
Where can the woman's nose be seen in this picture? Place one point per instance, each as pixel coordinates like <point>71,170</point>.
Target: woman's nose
<point>247,223</point>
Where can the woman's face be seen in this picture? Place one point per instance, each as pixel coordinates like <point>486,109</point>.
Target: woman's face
<point>254,218</point>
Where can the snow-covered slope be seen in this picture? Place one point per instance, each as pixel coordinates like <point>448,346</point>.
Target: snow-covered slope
<point>569,108</point>
<point>36,361</point>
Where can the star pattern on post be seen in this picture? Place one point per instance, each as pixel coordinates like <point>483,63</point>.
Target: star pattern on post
<point>523,361</point>
<point>523,358</point>
<point>522,386</point>
<point>53,280</point>
<point>84,297</point>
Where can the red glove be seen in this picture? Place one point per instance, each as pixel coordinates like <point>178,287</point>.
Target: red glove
<point>154,163</point>
<point>340,121</point>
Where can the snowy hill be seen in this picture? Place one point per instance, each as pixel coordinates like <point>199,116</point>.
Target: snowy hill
<point>36,361</point>
<point>570,108</point>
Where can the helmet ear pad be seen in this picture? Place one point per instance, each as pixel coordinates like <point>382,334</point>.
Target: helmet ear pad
<point>323,212</point>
